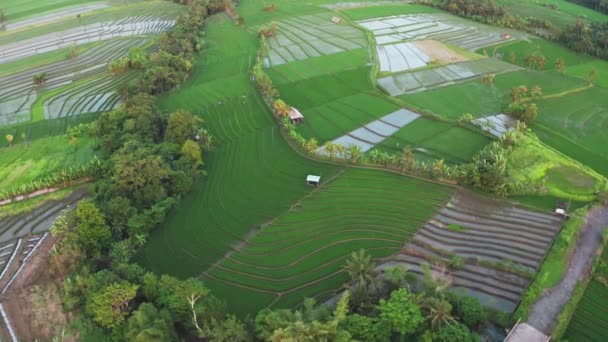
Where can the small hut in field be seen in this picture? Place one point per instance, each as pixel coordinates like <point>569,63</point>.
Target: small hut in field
<point>313,180</point>
<point>295,116</point>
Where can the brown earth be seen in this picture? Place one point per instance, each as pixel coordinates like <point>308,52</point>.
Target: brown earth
<point>33,302</point>
<point>439,52</point>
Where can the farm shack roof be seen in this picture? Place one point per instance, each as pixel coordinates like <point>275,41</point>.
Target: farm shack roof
<point>313,179</point>
<point>295,114</point>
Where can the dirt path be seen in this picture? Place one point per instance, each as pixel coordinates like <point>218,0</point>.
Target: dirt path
<point>544,313</point>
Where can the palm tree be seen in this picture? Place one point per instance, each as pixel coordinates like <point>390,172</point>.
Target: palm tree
<point>407,159</point>
<point>360,268</point>
<point>537,91</point>
<point>438,311</point>
<point>488,79</point>
<point>9,138</point>
<point>311,145</point>
<point>593,75</point>
<point>354,152</point>
<point>395,276</point>
<point>140,239</point>
<point>340,150</point>
<point>330,148</point>
<point>560,65</point>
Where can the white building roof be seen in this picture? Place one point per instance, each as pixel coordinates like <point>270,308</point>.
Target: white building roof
<point>295,114</point>
<point>312,178</point>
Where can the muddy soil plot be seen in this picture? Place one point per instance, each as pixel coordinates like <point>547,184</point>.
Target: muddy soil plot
<point>502,247</point>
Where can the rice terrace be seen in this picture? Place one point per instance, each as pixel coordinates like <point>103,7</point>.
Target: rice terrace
<point>321,170</point>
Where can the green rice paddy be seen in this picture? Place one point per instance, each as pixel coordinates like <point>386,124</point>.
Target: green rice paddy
<point>28,161</point>
<point>589,322</point>
<point>565,13</point>
<point>252,227</point>
<point>309,242</point>
<point>255,184</point>
<point>436,140</point>
<point>377,11</point>
<point>18,9</point>
<point>480,99</point>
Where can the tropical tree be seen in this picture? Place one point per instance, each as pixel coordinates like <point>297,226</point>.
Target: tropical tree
<point>469,310</point>
<point>438,311</point>
<point>340,150</point>
<point>281,108</point>
<point>407,160</point>
<point>560,65</point>
<point>466,118</point>
<point>286,325</point>
<point>149,324</point>
<point>182,126</point>
<point>536,91</point>
<point>230,329</point>
<point>593,75</point>
<point>438,168</point>
<point>39,78</point>
<point>331,149</point>
<point>452,333</point>
<point>394,276</point>
<point>9,138</point>
<point>400,312</point>
<point>359,267</point>
<point>354,153</point>
<point>488,79</point>
<point>311,145</point>
<point>110,305</point>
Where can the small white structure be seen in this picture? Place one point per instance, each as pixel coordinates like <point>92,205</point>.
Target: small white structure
<point>336,20</point>
<point>561,212</point>
<point>295,116</point>
<point>313,180</point>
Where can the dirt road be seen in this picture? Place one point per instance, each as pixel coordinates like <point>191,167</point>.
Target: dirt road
<point>549,306</point>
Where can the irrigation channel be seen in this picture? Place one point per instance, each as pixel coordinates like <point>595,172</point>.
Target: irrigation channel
<point>549,306</point>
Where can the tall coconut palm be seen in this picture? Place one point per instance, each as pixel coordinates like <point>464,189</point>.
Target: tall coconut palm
<point>331,150</point>
<point>354,153</point>
<point>438,311</point>
<point>407,159</point>
<point>360,268</point>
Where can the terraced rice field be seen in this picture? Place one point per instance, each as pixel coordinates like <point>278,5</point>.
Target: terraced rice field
<point>442,27</point>
<point>427,79</point>
<point>38,220</point>
<point>502,245</point>
<point>588,322</point>
<point>581,117</point>
<point>300,38</point>
<point>126,27</point>
<point>301,252</point>
<point>51,16</point>
<point>18,9</point>
<point>432,140</point>
<point>566,12</point>
<point>481,100</point>
<point>89,71</point>
<point>401,57</point>
<point>376,131</point>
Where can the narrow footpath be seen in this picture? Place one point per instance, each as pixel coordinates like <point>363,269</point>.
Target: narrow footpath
<point>546,310</point>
